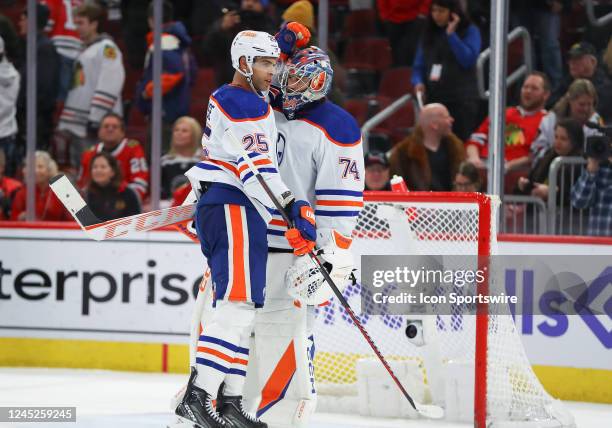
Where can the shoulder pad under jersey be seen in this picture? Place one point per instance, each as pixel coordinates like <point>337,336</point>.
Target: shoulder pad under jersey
<point>238,104</point>
<point>336,123</point>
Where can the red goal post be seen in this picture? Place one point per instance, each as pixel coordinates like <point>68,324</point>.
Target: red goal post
<point>506,391</point>
<point>486,210</point>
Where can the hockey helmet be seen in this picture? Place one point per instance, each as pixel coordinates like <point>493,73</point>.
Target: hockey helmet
<point>307,77</point>
<point>252,44</point>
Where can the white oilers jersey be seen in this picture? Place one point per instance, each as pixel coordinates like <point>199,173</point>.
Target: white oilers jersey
<point>98,77</point>
<point>250,120</point>
<point>321,160</point>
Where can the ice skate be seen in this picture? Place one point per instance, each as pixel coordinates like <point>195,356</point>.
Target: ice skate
<point>197,407</point>
<point>234,414</point>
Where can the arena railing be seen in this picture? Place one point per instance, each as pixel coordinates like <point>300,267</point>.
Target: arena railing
<point>522,214</point>
<point>383,115</point>
<point>562,218</point>
<point>594,20</point>
<point>516,75</point>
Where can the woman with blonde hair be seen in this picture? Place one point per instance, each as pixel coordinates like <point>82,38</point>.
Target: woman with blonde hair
<point>578,103</point>
<point>48,207</point>
<point>184,153</point>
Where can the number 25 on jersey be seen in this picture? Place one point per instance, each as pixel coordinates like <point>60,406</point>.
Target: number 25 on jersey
<point>255,143</point>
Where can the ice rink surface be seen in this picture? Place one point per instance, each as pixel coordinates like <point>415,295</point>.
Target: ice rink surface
<point>141,400</point>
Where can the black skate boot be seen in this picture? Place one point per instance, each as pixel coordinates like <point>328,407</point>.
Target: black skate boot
<point>234,414</point>
<point>197,407</point>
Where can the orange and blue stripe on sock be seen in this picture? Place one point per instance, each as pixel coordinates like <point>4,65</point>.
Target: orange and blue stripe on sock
<point>222,355</point>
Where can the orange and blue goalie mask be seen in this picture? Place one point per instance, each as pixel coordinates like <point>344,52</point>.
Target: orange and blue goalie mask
<point>306,78</point>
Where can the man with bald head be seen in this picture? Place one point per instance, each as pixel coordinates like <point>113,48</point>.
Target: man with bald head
<point>429,157</point>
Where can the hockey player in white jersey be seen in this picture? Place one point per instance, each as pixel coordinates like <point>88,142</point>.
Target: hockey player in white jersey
<point>321,160</point>
<point>97,83</point>
<point>231,220</point>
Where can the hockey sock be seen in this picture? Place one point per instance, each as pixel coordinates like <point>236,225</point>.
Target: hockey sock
<point>219,347</point>
<point>234,382</point>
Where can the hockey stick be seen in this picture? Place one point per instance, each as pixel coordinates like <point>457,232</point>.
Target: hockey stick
<point>426,410</point>
<point>99,230</point>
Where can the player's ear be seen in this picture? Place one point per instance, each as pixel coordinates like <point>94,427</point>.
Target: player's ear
<point>243,64</point>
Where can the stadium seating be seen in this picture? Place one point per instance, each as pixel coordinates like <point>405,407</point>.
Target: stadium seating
<point>396,127</point>
<point>395,82</point>
<point>359,23</point>
<point>365,59</point>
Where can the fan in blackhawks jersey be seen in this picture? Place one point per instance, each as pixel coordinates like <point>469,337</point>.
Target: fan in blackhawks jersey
<point>321,159</point>
<point>129,154</point>
<point>231,220</point>
<point>97,83</point>
<point>63,35</point>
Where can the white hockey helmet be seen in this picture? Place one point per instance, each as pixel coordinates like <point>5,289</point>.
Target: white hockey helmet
<point>251,44</point>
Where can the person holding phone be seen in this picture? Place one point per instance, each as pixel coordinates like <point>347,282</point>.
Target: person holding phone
<point>444,68</point>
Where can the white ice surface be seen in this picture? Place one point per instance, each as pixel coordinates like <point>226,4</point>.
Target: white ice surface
<point>141,400</point>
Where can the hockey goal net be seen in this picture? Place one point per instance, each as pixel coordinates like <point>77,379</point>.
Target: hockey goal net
<point>494,373</point>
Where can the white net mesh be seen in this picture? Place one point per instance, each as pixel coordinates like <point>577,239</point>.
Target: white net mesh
<point>438,228</point>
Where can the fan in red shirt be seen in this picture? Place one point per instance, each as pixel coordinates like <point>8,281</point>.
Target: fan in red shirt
<point>403,21</point>
<point>522,124</point>
<point>48,207</point>
<point>61,27</point>
<point>129,154</point>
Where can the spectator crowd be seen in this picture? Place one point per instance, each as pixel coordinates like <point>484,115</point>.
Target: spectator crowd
<point>94,88</point>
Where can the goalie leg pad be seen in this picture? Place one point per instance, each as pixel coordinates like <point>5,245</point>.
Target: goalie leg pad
<point>280,379</point>
<point>281,374</point>
<point>277,297</point>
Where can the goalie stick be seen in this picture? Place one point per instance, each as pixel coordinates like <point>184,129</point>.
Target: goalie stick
<point>99,230</point>
<point>426,410</point>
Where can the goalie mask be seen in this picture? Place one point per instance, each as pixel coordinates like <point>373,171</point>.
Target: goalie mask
<point>306,283</point>
<point>306,77</point>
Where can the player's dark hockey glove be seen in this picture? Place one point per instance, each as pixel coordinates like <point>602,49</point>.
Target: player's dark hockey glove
<point>303,235</point>
<point>291,37</point>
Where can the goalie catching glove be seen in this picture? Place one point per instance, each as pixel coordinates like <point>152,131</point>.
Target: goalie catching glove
<point>304,280</point>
